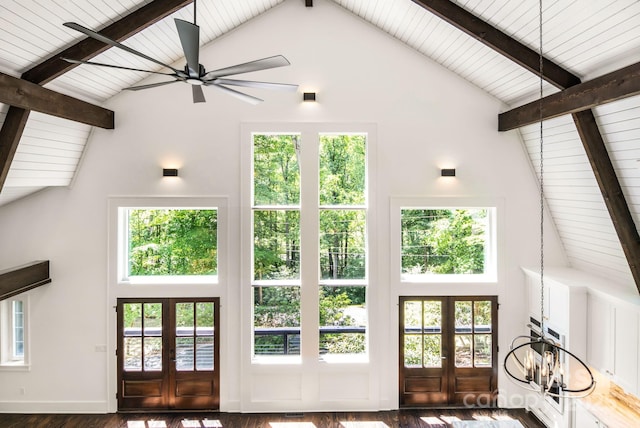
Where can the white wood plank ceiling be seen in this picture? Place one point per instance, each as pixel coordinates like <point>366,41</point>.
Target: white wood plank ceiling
<point>587,37</point>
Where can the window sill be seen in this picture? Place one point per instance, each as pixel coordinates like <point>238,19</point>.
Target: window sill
<point>15,367</point>
<point>276,360</point>
<point>170,280</point>
<point>434,279</point>
<point>345,359</point>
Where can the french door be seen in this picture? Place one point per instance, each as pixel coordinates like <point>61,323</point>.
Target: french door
<point>168,354</point>
<point>448,351</point>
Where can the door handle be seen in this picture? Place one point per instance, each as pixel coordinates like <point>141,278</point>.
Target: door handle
<point>443,358</point>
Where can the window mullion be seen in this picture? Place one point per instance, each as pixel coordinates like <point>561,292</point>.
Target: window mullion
<point>309,242</point>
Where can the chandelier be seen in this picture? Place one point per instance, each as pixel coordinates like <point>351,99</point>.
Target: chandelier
<point>540,363</point>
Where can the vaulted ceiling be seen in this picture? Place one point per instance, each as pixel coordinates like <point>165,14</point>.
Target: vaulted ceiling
<point>592,157</point>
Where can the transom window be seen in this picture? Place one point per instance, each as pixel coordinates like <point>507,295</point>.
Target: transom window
<point>309,228</point>
<point>455,243</point>
<point>169,241</point>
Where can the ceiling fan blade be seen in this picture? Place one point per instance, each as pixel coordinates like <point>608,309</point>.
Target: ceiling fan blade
<point>104,39</point>
<point>79,61</point>
<point>244,97</point>
<point>254,84</point>
<point>190,39</point>
<point>151,85</point>
<point>259,64</point>
<point>198,95</point>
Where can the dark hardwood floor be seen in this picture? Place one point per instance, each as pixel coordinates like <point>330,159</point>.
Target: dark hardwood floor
<point>405,418</point>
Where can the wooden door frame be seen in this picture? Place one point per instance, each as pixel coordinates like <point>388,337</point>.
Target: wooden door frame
<point>482,399</point>
<point>168,372</point>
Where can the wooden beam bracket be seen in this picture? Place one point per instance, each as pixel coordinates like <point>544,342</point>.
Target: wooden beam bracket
<point>23,278</point>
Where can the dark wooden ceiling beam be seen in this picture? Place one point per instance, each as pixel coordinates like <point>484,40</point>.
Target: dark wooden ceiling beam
<point>611,87</point>
<point>14,123</point>
<point>585,123</point>
<point>29,96</point>
<point>499,41</point>
<point>118,31</point>
<point>23,278</point>
<point>610,188</point>
<point>85,49</point>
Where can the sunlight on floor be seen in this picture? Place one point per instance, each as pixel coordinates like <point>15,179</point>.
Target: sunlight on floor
<point>503,418</point>
<point>186,423</point>
<point>364,424</point>
<point>292,425</point>
<point>450,419</point>
<point>434,422</point>
<point>482,418</point>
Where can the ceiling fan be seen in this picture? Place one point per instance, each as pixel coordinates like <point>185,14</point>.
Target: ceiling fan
<point>194,73</point>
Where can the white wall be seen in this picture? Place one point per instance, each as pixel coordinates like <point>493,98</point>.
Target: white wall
<point>426,118</point>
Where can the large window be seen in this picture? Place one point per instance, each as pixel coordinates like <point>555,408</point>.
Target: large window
<point>309,228</point>
<point>444,243</point>
<point>13,331</point>
<point>167,244</point>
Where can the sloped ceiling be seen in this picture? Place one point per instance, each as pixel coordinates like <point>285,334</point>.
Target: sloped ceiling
<point>585,37</point>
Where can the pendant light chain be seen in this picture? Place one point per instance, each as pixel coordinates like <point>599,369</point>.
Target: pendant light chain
<point>541,179</point>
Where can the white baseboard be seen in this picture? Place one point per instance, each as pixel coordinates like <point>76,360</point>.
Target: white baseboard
<point>53,407</point>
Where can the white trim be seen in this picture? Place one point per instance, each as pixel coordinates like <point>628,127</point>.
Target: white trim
<point>97,407</point>
<point>8,361</point>
<point>116,289</point>
<point>307,374</point>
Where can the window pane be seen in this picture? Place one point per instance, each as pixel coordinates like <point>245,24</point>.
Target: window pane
<point>276,320</point>
<point>482,316</point>
<point>432,350</point>
<point>152,319</point>
<point>204,336</point>
<point>172,242</point>
<point>276,244</point>
<point>463,350</point>
<point>342,244</point>
<point>343,320</point>
<point>204,353</point>
<point>432,316</point>
<point>133,354</point>
<point>153,353</point>
<point>412,316</point>
<point>463,317</point>
<point>276,175</point>
<point>443,241</point>
<point>184,353</point>
<point>184,319</point>
<point>342,169</point>
<point>412,350</point>
<point>482,350</point>
<point>18,329</point>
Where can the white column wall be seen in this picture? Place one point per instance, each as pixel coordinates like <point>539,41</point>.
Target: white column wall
<point>426,118</point>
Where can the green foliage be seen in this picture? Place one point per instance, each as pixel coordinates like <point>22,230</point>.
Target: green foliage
<point>342,169</point>
<point>172,242</point>
<point>276,173</point>
<point>276,244</point>
<point>443,241</point>
<point>276,307</point>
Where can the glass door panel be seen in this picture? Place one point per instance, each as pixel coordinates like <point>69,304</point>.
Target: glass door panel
<point>167,350</point>
<point>447,350</point>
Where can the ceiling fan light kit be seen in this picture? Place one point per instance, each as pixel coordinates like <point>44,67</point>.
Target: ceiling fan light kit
<point>194,73</point>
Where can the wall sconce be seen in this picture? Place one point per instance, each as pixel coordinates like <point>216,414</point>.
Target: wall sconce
<point>169,172</point>
<point>448,172</point>
<point>309,97</point>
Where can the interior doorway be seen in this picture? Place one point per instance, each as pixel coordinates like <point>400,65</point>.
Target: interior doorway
<point>168,354</point>
<point>448,351</point>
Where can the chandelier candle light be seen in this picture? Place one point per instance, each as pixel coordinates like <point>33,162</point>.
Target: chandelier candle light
<point>541,364</point>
